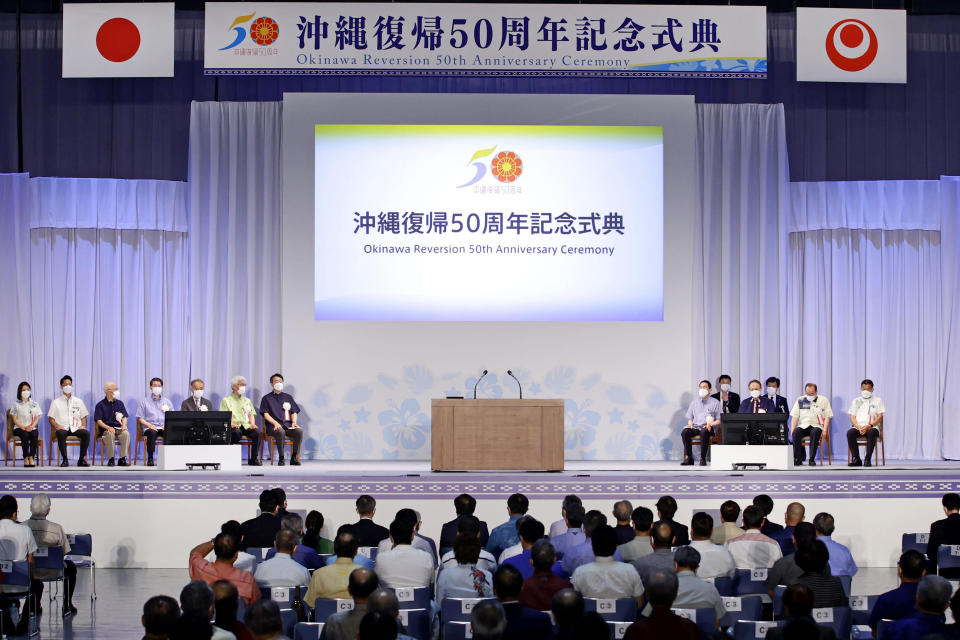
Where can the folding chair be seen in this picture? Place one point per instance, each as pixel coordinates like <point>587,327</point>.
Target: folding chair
<point>882,628</point>
<point>271,444</point>
<point>618,629</point>
<point>417,622</point>
<point>368,552</point>
<point>283,596</point>
<point>837,618</point>
<point>307,630</point>
<point>51,560</point>
<point>847,582</point>
<point>289,619</point>
<point>861,607</point>
<point>11,439</point>
<point>778,592</point>
<point>457,609</point>
<point>17,576</point>
<point>948,557</point>
<point>878,452</point>
<point>81,553</point>
<point>915,542</point>
<point>323,608</point>
<point>620,610</point>
<point>745,608</point>
<point>725,585</point>
<point>705,619</point>
<point>457,630</point>
<point>752,630</point>
<point>751,582</point>
<point>414,597</point>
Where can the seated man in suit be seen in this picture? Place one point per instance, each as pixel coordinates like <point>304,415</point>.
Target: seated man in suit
<point>666,509</point>
<point>757,402</point>
<point>946,531</point>
<point>729,400</point>
<point>195,401</point>
<point>523,623</point>
<point>368,532</point>
<point>773,393</point>
<point>262,531</point>
<point>464,505</point>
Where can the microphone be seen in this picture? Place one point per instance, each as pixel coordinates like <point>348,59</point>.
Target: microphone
<point>519,386</point>
<point>478,383</point>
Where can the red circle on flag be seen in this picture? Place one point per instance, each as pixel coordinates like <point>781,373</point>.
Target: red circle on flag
<point>118,39</point>
<point>847,49</point>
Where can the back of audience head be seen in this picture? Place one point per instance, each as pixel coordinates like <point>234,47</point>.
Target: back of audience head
<point>531,530</point>
<point>667,506</point>
<point>281,497</point>
<point>268,501</point>
<point>225,547</point>
<point>912,565</point>
<point>286,541</point>
<point>701,526</point>
<point>661,536</point>
<point>197,597</point>
<point>933,594</point>
<point>592,520</point>
<point>642,519</point>
<point>622,510</point>
<point>465,504</point>
<point>591,626</point>
<point>729,511</point>
<point>384,601</point>
<point>507,583</point>
<point>314,523</point>
<point>604,541</point>
<point>263,619</point>
<point>686,558</point>
<point>40,505</point>
<point>813,559</point>
<point>575,515</point>
<point>362,583</point>
<point>466,549</point>
<point>571,499</point>
<point>804,535</point>
<point>408,515</point>
<point>468,525</point>
<point>8,507</point>
<point>543,555</point>
<point>376,625</point>
<point>567,607</point>
<point>160,615</point>
<point>795,513</point>
<point>401,532</point>
<point>488,620</point>
<point>192,626</point>
<point>752,517</point>
<point>366,506</point>
<point>233,527</point>
<point>764,503</point>
<point>951,502</point>
<point>824,524</point>
<point>292,522</point>
<point>346,545</point>
<point>798,600</point>
<point>518,504</point>
<point>661,589</point>
<point>226,602</point>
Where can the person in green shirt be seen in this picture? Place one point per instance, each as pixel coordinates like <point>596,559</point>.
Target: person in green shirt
<point>312,537</point>
<point>242,418</point>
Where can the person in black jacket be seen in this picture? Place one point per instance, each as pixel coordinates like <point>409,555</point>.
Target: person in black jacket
<point>729,401</point>
<point>368,532</point>
<point>946,531</point>
<point>523,623</point>
<point>464,505</point>
<point>666,509</point>
<point>262,530</point>
<point>798,603</point>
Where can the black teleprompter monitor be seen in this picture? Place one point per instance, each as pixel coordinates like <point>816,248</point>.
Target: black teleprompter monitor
<point>196,427</point>
<point>754,428</point>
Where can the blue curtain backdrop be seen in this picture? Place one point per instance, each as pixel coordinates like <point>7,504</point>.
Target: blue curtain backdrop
<point>138,128</point>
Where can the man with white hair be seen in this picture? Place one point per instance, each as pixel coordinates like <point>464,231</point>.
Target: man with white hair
<point>242,418</point>
<point>110,416</point>
<point>50,534</point>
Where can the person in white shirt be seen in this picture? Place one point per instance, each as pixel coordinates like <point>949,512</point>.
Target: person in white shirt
<point>282,570</point>
<point>810,415</point>
<point>25,414</point>
<point>68,419</point>
<point>753,550</point>
<point>715,560</point>
<point>469,526</point>
<point>466,579</point>
<point>605,577</point>
<point>640,546</point>
<point>197,606</point>
<point>560,527</point>
<point>404,565</point>
<point>16,545</point>
<point>866,412</point>
<point>694,592</point>
<point>418,542</point>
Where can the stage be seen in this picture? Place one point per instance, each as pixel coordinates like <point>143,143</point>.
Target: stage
<point>130,511</point>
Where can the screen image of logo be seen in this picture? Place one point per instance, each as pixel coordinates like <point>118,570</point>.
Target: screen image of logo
<point>851,45</point>
<point>264,31</point>
<point>506,166</point>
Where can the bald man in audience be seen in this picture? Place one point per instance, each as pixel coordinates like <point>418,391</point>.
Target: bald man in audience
<point>385,601</point>
<point>345,624</point>
<point>661,560</point>
<point>792,517</point>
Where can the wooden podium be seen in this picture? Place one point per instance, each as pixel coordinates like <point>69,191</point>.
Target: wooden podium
<point>490,434</point>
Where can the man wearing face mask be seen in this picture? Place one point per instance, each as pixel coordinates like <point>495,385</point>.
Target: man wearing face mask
<point>243,418</point>
<point>68,419</point>
<point>729,401</point>
<point>150,416</point>
<point>773,392</point>
<point>703,416</point>
<point>195,401</point>
<point>756,403</point>
<point>110,416</point>
<point>866,412</point>
<point>280,410</point>
<point>811,415</point>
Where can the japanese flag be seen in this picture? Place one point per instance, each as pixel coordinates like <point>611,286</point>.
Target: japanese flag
<point>118,40</point>
<point>851,45</point>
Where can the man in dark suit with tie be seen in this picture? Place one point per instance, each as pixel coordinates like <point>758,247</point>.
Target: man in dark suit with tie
<point>262,530</point>
<point>464,505</point>
<point>368,532</point>
<point>523,623</point>
<point>195,401</point>
<point>773,393</point>
<point>729,401</point>
<point>946,531</point>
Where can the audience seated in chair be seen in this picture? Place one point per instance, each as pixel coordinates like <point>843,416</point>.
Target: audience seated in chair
<point>715,560</point>
<point>946,531</point>
<point>606,578</point>
<point>827,589</point>
<point>264,621</point>
<point>226,602</point>
<point>419,542</point>
<point>197,609</point>
<point>159,619</point>
<point>792,516</point>
<point>50,534</point>
<point>798,603</point>
<point>523,623</point>
<point>661,560</point>
<point>345,625</point>
<point>225,548</point>
<point>464,505</point>
<point>245,561</point>
<point>466,579</point>
<point>531,531</point>
<point>728,529</point>
<point>662,622</point>
<point>622,514</point>
<point>573,535</point>
<point>302,554</point>
<point>786,571</point>
<point>583,552</point>
<point>638,546</point>
<point>666,509</point>
<point>694,592</point>
<point>841,560</point>
<point>312,538</point>
<point>404,565</point>
<point>765,504</point>
<point>368,532</point>
<point>384,602</point>
<point>539,589</point>
<point>505,535</point>
<point>470,526</point>
<point>901,602</point>
<point>753,550</point>
<point>282,570</point>
<point>262,530</point>
<point>488,620</point>
<point>332,581</point>
<point>933,596</point>
<point>377,626</point>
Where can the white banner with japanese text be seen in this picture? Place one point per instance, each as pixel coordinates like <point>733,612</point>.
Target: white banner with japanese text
<point>303,38</point>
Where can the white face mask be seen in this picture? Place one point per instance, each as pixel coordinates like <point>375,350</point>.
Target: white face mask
<point>724,387</point>
<point>278,387</point>
<point>771,391</point>
<point>116,393</point>
<point>755,393</point>
<point>703,392</point>
<point>242,389</point>
<point>26,394</point>
<point>67,390</point>
<point>866,394</point>
<point>198,393</point>
<point>156,390</point>
<point>811,398</point>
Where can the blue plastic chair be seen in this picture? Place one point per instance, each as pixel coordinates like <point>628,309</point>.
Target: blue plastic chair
<point>861,607</point>
<point>259,553</point>
<point>705,619</point>
<point>289,619</point>
<point>745,608</point>
<point>307,630</point>
<point>751,582</point>
<point>417,622</point>
<point>81,554</point>
<point>882,628</point>
<point>837,618</point>
<point>618,629</point>
<point>725,586</point>
<point>861,632</point>
<point>751,630</point>
<point>51,559</point>
<point>323,608</point>
<point>620,610</point>
<point>847,582</point>
<point>778,592</point>
<point>948,557</point>
<point>457,609</point>
<point>17,574</point>
<point>414,597</point>
<point>915,542</point>
<point>369,552</point>
<point>456,630</point>
<point>283,596</point>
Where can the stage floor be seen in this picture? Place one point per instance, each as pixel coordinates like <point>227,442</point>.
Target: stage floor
<point>341,480</point>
